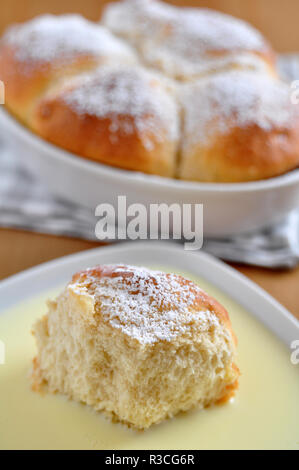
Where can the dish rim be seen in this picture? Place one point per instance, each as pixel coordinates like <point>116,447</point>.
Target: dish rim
<point>139,178</point>
<point>33,281</point>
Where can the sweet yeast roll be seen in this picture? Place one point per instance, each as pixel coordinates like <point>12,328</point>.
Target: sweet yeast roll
<point>37,54</point>
<point>122,115</point>
<point>179,92</point>
<point>238,126</point>
<point>137,344</point>
<point>188,42</point>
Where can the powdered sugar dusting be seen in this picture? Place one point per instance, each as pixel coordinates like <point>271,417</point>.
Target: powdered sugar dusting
<point>182,41</point>
<point>133,98</point>
<point>49,37</point>
<point>186,67</point>
<point>230,99</point>
<point>147,305</point>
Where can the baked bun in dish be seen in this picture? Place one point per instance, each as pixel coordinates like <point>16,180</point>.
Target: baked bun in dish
<point>137,344</point>
<point>122,115</point>
<point>238,126</point>
<point>48,49</point>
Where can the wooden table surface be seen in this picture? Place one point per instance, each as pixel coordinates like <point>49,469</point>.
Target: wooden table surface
<point>277,19</point>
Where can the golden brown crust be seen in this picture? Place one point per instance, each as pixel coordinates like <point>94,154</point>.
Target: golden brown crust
<point>90,137</point>
<point>151,338</point>
<point>25,85</point>
<point>230,390</point>
<point>202,300</point>
<point>133,140</point>
<point>37,382</point>
<point>238,127</point>
<point>248,154</point>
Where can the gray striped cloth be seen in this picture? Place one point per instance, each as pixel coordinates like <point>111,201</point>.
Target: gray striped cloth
<point>26,204</point>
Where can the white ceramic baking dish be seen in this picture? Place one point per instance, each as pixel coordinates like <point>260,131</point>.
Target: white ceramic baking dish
<point>228,208</point>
